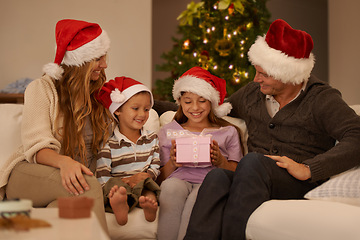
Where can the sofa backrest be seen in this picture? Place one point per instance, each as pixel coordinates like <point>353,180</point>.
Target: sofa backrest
<point>11,116</point>
<point>10,125</point>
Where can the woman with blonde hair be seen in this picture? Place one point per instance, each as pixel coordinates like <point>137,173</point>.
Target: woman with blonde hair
<point>63,124</point>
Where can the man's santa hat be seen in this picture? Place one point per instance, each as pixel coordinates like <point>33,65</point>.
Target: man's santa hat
<point>77,42</point>
<point>116,92</point>
<point>284,53</point>
<point>201,82</point>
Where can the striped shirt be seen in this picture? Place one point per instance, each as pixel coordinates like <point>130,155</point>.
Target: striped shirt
<point>121,158</point>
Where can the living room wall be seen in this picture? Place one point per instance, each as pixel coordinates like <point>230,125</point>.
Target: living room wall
<point>28,35</point>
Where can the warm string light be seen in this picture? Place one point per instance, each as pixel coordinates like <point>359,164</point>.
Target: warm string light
<point>187,43</point>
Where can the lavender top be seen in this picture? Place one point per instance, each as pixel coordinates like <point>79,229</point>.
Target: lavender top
<point>229,144</point>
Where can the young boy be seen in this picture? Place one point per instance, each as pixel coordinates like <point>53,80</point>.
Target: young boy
<point>128,164</point>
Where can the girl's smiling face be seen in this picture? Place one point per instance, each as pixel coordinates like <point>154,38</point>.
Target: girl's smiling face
<point>195,107</point>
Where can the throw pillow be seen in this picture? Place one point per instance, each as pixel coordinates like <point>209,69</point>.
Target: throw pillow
<point>344,187</point>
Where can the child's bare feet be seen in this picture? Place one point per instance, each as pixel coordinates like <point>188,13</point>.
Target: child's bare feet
<point>150,207</point>
<point>118,202</point>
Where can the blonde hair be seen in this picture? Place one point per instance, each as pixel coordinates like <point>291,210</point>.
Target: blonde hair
<point>76,103</point>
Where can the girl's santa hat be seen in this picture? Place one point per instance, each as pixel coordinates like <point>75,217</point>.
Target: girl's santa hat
<point>284,53</point>
<point>77,42</point>
<point>201,82</point>
<point>116,92</point>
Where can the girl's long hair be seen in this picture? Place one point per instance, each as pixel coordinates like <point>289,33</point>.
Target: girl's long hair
<point>77,102</point>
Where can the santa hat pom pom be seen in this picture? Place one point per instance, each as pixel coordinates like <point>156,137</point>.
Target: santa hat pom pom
<point>117,96</point>
<point>223,109</point>
<point>53,70</point>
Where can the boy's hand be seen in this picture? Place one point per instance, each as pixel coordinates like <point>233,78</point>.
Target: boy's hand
<point>135,179</point>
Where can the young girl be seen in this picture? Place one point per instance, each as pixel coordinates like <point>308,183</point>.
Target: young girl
<point>200,96</point>
<point>63,125</point>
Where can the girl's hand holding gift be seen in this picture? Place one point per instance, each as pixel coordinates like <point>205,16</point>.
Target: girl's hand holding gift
<point>217,159</point>
<point>173,155</point>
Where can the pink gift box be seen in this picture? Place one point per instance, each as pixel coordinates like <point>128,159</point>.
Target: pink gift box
<point>193,151</point>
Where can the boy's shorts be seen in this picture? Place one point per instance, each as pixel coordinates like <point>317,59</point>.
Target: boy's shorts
<point>132,193</point>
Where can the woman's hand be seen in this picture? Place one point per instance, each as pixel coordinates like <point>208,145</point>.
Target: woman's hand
<point>135,179</point>
<point>71,173</point>
<point>297,170</point>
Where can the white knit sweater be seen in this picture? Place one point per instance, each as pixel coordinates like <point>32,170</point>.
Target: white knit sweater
<point>38,128</point>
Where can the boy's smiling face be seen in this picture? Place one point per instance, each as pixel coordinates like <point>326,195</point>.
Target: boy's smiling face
<point>133,114</point>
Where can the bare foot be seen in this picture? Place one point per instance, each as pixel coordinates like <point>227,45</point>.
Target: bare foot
<point>118,202</point>
<point>150,207</point>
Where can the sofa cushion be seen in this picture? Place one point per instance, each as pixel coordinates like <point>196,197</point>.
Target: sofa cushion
<point>153,123</point>
<point>304,219</point>
<point>10,123</point>
<point>136,228</point>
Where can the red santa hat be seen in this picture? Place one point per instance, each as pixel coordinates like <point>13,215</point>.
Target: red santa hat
<point>77,42</point>
<point>284,53</point>
<point>201,82</point>
<point>116,92</point>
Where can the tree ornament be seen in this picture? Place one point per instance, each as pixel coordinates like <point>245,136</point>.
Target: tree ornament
<point>236,77</point>
<point>204,59</point>
<point>224,46</point>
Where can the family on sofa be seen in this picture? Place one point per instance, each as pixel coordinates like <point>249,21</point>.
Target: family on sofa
<point>293,122</point>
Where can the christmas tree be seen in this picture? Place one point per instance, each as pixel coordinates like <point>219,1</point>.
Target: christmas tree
<point>216,35</point>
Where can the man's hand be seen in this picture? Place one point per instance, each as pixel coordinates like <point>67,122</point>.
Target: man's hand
<point>297,170</point>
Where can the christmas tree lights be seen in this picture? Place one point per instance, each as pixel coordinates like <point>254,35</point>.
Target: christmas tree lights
<point>216,35</point>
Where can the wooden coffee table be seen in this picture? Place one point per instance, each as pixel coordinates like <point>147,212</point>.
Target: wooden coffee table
<point>69,229</point>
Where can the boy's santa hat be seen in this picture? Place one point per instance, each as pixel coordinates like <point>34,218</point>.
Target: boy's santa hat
<point>284,53</point>
<point>116,92</point>
<point>201,82</point>
<point>77,42</point>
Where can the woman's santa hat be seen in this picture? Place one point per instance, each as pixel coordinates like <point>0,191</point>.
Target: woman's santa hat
<point>284,53</point>
<point>77,42</point>
<point>201,82</point>
<point>116,92</point>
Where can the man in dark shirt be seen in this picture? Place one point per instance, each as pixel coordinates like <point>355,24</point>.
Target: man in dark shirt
<point>293,120</point>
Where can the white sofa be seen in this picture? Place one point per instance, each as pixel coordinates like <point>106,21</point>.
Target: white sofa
<point>332,213</point>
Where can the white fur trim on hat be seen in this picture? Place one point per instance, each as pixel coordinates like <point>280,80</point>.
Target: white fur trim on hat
<point>277,64</point>
<point>202,88</point>
<point>223,109</point>
<point>94,49</point>
<point>118,98</point>
<point>53,70</point>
